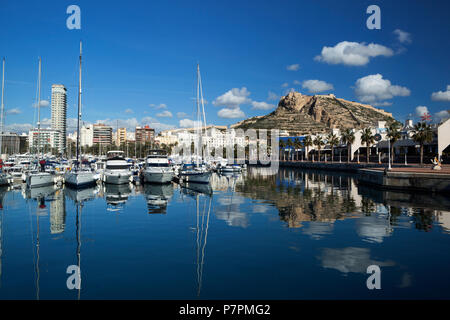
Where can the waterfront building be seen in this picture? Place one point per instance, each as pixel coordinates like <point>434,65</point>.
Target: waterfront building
<point>102,134</point>
<point>121,136</point>
<point>59,113</point>
<point>11,143</point>
<point>45,140</point>
<point>87,135</point>
<point>144,134</point>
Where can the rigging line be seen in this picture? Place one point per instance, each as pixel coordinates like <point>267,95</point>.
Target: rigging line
<point>37,257</point>
<point>79,248</point>
<point>32,234</point>
<point>204,244</point>
<point>198,242</point>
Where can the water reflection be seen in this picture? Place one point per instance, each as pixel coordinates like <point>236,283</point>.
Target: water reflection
<point>116,195</point>
<point>158,196</point>
<point>244,227</point>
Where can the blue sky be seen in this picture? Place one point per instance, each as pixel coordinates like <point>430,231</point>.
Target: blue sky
<point>140,57</point>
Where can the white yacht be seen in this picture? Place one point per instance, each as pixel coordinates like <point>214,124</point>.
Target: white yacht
<point>39,179</point>
<point>157,168</point>
<point>77,177</point>
<point>117,170</point>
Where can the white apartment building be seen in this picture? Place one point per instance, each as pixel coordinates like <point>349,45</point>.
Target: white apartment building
<point>45,139</point>
<point>216,137</point>
<point>87,135</point>
<point>59,113</point>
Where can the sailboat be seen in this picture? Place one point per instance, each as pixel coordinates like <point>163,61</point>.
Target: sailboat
<point>79,178</point>
<point>40,178</point>
<point>198,172</point>
<point>5,178</point>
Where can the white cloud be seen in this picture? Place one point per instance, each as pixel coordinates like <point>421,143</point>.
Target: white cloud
<point>44,104</point>
<point>315,86</point>
<point>132,123</point>
<point>182,114</point>
<point>188,123</point>
<point>233,98</point>
<point>18,127</point>
<point>159,106</point>
<point>441,116</point>
<point>403,36</point>
<point>293,67</point>
<point>436,118</point>
<point>164,114</point>
<point>272,96</point>
<point>288,91</point>
<point>421,110</point>
<point>13,111</point>
<point>232,113</point>
<point>374,89</point>
<point>128,111</point>
<point>352,53</point>
<point>441,95</point>
<point>262,105</point>
<point>285,85</point>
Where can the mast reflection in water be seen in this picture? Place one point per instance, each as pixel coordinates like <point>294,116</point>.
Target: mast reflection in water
<point>290,234</point>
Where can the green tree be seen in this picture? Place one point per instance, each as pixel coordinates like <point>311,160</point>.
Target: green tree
<point>282,145</point>
<point>333,141</point>
<point>393,134</point>
<point>297,145</point>
<point>348,137</point>
<point>422,133</point>
<point>289,144</point>
<point>318,141</point>
<point>307,142</point>
<point>368,138</point>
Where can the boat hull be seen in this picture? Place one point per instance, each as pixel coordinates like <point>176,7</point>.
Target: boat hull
<point>158,177</point>
<point>40,180</point>
<point>117,178</point>
<point>79,179</point>
<point>197,177</point>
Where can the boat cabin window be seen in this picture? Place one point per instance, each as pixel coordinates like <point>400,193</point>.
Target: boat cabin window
<point>117,167</point>
<point>157,164</point>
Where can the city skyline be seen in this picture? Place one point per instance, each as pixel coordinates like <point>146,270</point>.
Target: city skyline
<point>246,64</point>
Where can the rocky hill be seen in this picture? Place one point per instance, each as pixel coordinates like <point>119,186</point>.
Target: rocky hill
<point>303,114</point>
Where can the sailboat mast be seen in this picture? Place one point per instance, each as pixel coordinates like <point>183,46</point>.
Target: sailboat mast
<point>198,114</point>
<point>79,111</point>
<point>203,109</point>
<point>39,110</point>
<point>2,109</point>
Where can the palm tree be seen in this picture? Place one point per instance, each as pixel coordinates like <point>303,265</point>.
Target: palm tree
<point>282,145</point>
<point>368,138</point>
<point>393,133</point>
<point>289,144</point>
<point>307,142</point>
<point>348,137</point>
<point>422,134</point>
<point>297,145</point>
<point>333,141</point>
<point>318,141</point>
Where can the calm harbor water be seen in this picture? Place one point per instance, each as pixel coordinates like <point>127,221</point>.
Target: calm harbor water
<point>290,235</point>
